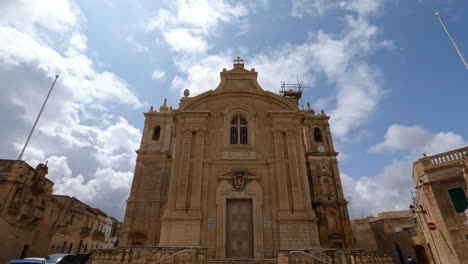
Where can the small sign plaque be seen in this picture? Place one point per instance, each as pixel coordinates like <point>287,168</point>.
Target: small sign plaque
<point>212,222</point>
<point>431,226</point>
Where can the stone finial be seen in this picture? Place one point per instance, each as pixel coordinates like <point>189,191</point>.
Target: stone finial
<point>309,109</point>
<point>424,154</point>
<point>186,92</point>
<point>42,169</point>
<point>322,112</point>
<point>151,109</point>
<point>164,107</point>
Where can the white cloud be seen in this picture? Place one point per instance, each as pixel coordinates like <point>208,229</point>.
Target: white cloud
<point>181,39</point>
<point>312,7</point>
<point>187,24</point>
<point>390,189</point>
<point>417,140</point>
<point>136,45</point>
<point>107,189</point>
<point>26,15</point>
<point>299,8</point>
<point>87,145</point>
<point>158,75</point>
<point>200,73</point>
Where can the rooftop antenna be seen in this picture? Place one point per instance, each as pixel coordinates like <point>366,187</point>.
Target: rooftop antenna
<point>293,91</point>
<point>452,39</point>
<point>37,119</point>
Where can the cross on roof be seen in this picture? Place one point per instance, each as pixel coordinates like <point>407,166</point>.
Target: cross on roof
<point>238,60</point>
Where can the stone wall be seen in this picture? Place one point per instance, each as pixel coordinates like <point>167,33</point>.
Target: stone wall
<point>149,255</point>
<point>334,256</point>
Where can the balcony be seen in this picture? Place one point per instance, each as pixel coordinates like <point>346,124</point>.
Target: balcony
<point>98,235</point>
<point>85,231</point>
<point>26,211</point>
<point>453,157</point>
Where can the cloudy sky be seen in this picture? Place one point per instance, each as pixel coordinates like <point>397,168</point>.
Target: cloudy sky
<point>383,69</point>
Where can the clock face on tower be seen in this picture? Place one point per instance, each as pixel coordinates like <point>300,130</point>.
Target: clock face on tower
<point>320,148</point>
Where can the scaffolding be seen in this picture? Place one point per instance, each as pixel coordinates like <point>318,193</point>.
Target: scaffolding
<point>293,91</point>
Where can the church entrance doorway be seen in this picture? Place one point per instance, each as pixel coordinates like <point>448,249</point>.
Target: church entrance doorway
<point>239,228</point>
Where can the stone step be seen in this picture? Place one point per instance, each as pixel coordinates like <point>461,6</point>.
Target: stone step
<point>242,261</point>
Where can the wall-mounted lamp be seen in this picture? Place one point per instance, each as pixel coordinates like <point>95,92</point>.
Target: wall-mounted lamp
<point>413,210</point>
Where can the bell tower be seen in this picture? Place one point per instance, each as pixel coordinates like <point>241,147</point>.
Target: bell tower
<point>324,181</point>
<point>148,194</point>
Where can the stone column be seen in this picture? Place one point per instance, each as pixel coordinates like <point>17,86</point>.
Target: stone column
<point>182,188</point>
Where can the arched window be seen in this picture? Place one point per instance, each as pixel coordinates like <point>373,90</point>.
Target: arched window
<point>238,130</point>
<point>317,135</point>
<point>156,133</point>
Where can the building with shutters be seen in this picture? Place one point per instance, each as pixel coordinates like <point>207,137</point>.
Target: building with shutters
<point>238,170</point>
<point>35,223</point>
<point>441,183</point>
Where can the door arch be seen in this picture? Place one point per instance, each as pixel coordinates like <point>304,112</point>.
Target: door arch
<point>421,254</point>
<point>400,254</point>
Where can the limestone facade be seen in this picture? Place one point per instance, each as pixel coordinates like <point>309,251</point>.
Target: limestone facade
<point>35,223</point>
<point>242,152</point>
<point>441,199</point>
<point>390,231</point>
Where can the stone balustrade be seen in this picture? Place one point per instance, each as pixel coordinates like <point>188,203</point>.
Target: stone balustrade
<point>448,157</point>
<point>334,256</point>
<point>149,255</point>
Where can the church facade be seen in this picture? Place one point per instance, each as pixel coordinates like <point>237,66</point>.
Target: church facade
<point>239,170</point>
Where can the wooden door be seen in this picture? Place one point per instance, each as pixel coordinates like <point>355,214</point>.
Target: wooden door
<point>239,231</point>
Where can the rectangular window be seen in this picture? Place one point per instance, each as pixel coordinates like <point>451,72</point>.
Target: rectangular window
<point>458,199</point>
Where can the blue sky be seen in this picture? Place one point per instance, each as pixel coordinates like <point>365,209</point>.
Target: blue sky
<point>384,70</point>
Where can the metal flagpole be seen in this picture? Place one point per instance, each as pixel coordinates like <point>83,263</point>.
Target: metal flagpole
<point>37,119</point>
<point>452,39</point>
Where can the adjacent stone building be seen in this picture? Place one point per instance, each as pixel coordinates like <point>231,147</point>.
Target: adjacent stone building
<point>35,223</point>
<point>24,194</point>
<point>440,201</point>
<point>239,170</point>
<point>390,231</point>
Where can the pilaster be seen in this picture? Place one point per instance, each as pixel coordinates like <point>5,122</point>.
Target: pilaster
<point>282,185</point>
<point>182,186</point>
<point>195,198</point>
<point>294,171</point>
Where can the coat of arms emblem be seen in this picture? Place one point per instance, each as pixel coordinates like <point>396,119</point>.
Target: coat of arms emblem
<point>238,181</point>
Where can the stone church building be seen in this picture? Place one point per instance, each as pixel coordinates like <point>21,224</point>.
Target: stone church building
<point>238,170</point>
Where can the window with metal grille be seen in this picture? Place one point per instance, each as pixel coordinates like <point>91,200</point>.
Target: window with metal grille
<point>238,130</point>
